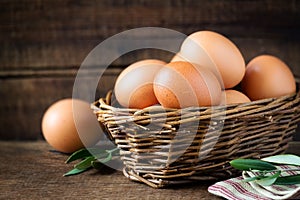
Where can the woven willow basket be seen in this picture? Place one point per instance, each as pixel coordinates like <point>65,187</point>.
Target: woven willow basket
<point>162,147</point>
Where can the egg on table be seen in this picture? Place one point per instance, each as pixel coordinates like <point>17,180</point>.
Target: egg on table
<point>134,86</point>
<point>69,125</point>
<point>266,77</point>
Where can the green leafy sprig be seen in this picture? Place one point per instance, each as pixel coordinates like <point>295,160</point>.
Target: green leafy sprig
<point>90,158</point>
<point>266,170</point>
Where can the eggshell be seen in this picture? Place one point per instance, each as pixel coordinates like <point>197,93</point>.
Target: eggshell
<point>181,84</point>
<point>65,120</point>
<point>177,57</point>
<point>134,86</point>
<point>217,53</point>
<point>235,97</point>
<point>267,77</point>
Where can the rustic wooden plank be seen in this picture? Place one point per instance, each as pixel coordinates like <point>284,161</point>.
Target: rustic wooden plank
<point>29,170</point>
<point>70,55</point>
<point>286,49</point>
<point>61,33</point>
<point>43,43</point>
<point>60,55</point>
<point>24,100</point>
<point>59,20</point>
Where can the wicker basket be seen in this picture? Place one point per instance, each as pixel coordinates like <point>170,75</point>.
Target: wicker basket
<point>162,147</point>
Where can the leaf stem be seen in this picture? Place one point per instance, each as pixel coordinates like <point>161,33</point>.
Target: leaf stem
<point>282,170</point>
<point>112,150</point>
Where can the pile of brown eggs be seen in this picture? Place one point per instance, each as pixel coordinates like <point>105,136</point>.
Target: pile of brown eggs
<point>209,70</point>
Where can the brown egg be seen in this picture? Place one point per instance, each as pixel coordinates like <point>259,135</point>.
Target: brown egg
<point>235,97</point>
<point>69,125</point>
<point>177,57</point>
<point>181,84</point>
<point>267,77</point>
<point>217,53</point>
<point>134,86</point>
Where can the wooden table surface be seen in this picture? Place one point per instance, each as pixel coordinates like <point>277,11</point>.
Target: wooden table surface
<point>30,170</point>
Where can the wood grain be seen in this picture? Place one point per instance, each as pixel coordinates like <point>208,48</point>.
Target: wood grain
<point>43,44</point>
<point>24,100</point>
<point>61,33</point>
<point>30,171</point>
<point>59,20</point>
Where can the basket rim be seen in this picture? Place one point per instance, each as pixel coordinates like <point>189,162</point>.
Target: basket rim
<point>105,102</point>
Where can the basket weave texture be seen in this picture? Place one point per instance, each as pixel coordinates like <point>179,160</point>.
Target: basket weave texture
<point>162,147</point>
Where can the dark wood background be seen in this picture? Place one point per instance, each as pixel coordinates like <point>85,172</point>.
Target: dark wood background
<point>43,44</point>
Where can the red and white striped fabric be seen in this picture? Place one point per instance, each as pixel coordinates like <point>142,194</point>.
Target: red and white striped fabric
<point>237,189</point>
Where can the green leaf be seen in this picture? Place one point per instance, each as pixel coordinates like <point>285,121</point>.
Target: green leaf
<point>101,156</point>
<point>75,171</point>
<point>269,180</point>
<point>80,154</point>
<point>107,159</point>
<point>115,151</point>
<point>86,163</point>
<point>250,179</point>
<point>85,152</point>
<point>97,165</point>
<point>287,159</point>
<point>92,157</point>
<point>288,180</point>
<point>251,164</point>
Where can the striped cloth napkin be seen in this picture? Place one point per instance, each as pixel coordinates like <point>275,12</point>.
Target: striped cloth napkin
<point>237,189</point>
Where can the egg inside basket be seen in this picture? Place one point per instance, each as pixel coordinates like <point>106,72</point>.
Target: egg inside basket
<point>162,147</point>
